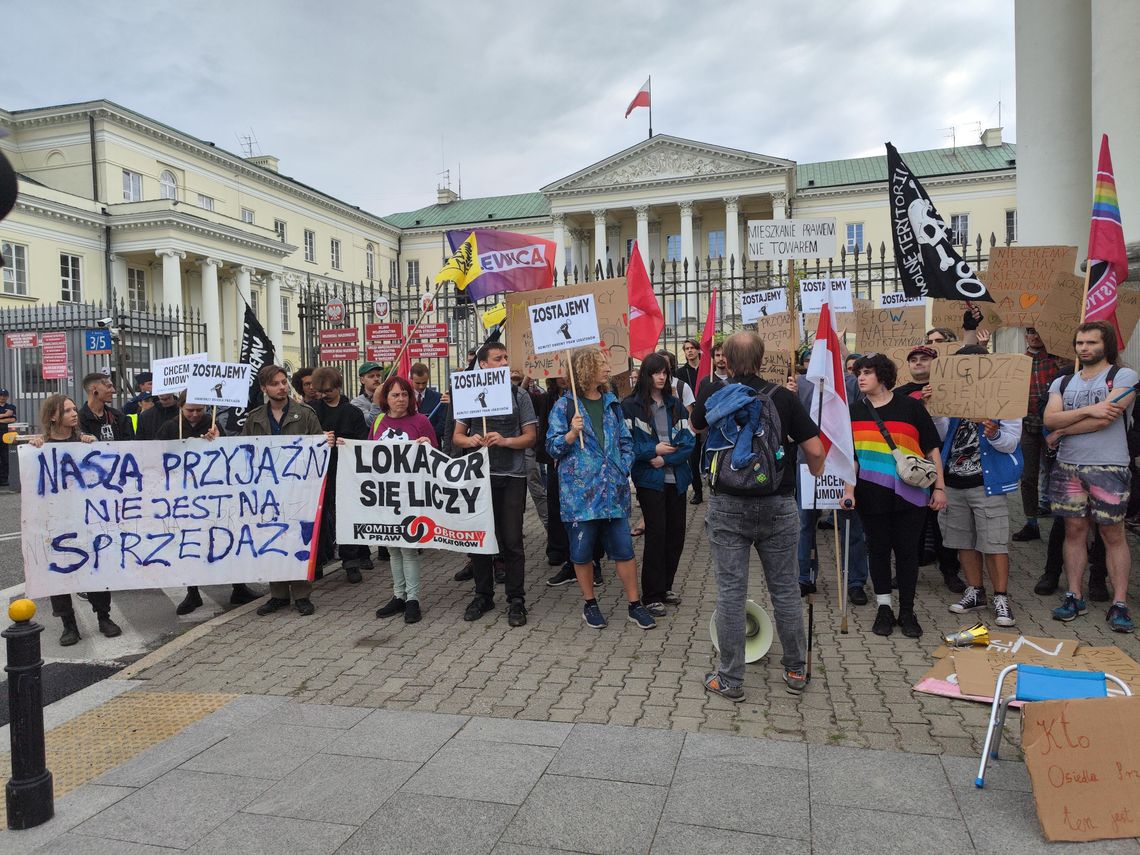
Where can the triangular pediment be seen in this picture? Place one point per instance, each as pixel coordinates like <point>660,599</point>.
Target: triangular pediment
<point>667,160</point>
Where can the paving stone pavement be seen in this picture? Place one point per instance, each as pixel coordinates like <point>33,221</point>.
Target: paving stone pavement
<point>557,669</point>
<point>275,776</point>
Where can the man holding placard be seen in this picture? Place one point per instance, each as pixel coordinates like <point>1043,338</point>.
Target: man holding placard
<point>507,436</point>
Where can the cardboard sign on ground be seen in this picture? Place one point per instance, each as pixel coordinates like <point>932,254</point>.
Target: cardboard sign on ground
<point>1110,660</point>
<point>898,356</point>
<point>877,329</point>
<point>1083,758</point>
<point>1019,277</point>
<point>978,670</point>
<point>984,386</point>
<point>1012,643</point>
<point>611,302</point>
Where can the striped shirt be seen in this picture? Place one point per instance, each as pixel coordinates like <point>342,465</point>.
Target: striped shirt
<point>912,431</point>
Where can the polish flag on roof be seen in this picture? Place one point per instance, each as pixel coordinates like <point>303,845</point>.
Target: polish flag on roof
<point>641,99</point>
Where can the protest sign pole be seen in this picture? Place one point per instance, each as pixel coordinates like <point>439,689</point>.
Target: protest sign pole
<point>412,330</point>
<point>1085,291</point>
<point>814,544</point>
<point>573,391</point>
<point>846,571</point>
<point>793,335</point>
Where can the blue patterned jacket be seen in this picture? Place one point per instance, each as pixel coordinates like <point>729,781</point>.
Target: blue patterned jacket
<point>592,485</point>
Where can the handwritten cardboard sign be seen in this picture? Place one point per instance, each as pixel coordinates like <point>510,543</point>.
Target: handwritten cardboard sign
<point>757,304</point>
<point>611,303</point>
<point>949,314</point>
<point>982,386</point>
<point>219,384</point>
<point>481,393</point>
<point>563,324</point>
<point>898,356</point>
<point>1012,643</point>
<point>1019,277</point>
<point>877,329</point>
<point>1083,758</point>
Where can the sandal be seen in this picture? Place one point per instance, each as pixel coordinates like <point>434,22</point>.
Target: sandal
<point>638,530</point>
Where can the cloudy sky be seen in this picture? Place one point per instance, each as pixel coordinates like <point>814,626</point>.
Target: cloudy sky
<point>370,100</point>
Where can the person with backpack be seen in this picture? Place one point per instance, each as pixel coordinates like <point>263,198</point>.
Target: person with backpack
<point>750,455</point>
<point>662,446</point>
<point>594,451</point>
<point>1091,413</point>
<point>900,476</point>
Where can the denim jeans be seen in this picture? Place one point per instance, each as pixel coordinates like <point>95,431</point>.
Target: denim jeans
<point>856,570</point>
<point>770,525</point>
<point>509,501</point>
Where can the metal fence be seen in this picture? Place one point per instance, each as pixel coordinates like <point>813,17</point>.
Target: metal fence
<point>137,338</point>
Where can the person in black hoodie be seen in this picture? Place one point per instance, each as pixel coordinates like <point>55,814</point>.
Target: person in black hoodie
<point>340,419</point>
<point>97,417</point>
<point>196,423</point>
<point>152,420</point>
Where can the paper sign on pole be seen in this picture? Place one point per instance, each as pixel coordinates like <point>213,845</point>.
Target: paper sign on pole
<point>813,294</point>
<point>172,375</point>
<point>775,240</point>
<point>116,515</point>
<point>827,489</point>
<point>984,386</point>
<point>897,300</point>
<point>219,384</point>
<point>564,324</point>
<point>482,392</point>
<point>757,304</point>
<point>411,495</point>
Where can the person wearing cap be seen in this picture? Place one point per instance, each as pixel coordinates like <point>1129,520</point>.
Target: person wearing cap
<point>7,418</point>
<point>144,381</point>
<point>371,377</point>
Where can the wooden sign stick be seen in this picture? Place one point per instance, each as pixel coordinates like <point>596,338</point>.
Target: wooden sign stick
<point>213,418</point>
<point>574,392</point>
<point>412,331</point>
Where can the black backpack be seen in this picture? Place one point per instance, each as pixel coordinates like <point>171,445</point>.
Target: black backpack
<point>763,475</point>
<point>1131,431</point>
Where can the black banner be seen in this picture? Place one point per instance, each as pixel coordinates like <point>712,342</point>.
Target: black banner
<point>256,351</point>
<point>928,264</point>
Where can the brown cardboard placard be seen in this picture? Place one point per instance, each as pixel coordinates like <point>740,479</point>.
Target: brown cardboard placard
<point>1057,319</point>
<point>1019,279</point>
<point>612,304</point>
<point>978,670</point>
<point>949,313</point>
<point>898,356</point>
<point>981,386</point>
<point>1110,660</point>
<point>1127,312</point>
<point>777,330</point>
<point>877,329</point>
<point>1083,758</point>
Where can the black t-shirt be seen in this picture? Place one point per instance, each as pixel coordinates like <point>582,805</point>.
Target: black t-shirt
<point>797,424</point>
<point>910,390</point>
<point>963,465</point>
<point>879,489</point>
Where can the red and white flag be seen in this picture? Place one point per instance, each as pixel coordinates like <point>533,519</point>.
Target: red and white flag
<point>646,320</point>
<point>829,407</point>
<point>641,99</point>
<point>704,367</point>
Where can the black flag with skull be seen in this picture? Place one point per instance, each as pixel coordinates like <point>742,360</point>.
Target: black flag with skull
<point>928,263</point>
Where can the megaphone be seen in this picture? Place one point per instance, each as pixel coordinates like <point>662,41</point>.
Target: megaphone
<point>757,632</point>
<point>968,636</point>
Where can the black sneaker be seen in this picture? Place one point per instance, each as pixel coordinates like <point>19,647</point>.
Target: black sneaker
<point>1027,532</point>
<point>563,577</point>
<point>478,607</point>
<point>516,613</point>
<point>672,599</point>
<point>190,602</point>
<point>696,500</point>
<point>108,627</point>
<point>884,621</point>
<point>599,579</point>
<point>908,623</point>
<point>656,609</point>
<point>954,583</point>
<point>305,606</point>
<point>412,612</point>
<point>393,607</point>
<point>972,599</point>
<point>271,605</point>
<point>466,573</point>
<point>353,575</point>
<point>1048,583</point>
<point>500,570</point>
<point>554,561</point>
<point>242,594</point>
<point>857,595</point>
<point>382,554</point>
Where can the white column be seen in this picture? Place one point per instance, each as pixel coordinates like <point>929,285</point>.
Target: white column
<point>211,307</point>
<point>1055,157</point>
<point>613,245</point>
<point>577,252</point>
<point>779,205</point>
<point>119,277</point>
<point>1116,84</point>
<point>599,239</point>
<point>732,232</point>
<point>231,320</point>
<point>642,212</point>
<point>692,300</point>
<point>241,277</point>
<point>558,221</point>
<point>171,277</point>
<point>273,310</point>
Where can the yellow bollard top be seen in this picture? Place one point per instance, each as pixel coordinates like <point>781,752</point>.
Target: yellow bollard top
<point>22,610</point>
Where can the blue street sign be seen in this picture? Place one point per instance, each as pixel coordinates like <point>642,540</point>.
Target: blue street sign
<point>96,341</point>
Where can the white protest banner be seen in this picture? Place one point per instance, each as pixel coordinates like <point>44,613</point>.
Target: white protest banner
<point>408,494</point>
<point>828,489</point>
<point>116,516</point>
<point>759,304</point>
<point>898,300</point>
<point>813,293</point>
<point>219,384</point>
<point>172,375</point>
<point>773,240</point>
<point>564,324</point>
<point>480,393</point>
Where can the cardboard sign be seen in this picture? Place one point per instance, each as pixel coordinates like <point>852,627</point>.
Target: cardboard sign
<point>949,313</point>
<point>1083,758</point>
<point>827,489</point>
<point>898,356</point>
<point>1127,313</point>
<point>898,300</point>
<point>757,304</point>
<point>411,495</point>
<point>1019,277</point>
<point>611,302</point>
<point>172,375</point>
<point>564,324</point>
<point>985,386</point>
<point>775,240</point>
<point>813,294</point>
<point>1013,643</point>
<point>482,392</point>
<point>878,329</point>
<point>219,384</point>
<point>117,515</point>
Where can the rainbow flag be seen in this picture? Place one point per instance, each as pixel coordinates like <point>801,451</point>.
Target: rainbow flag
<point>1108,259</point>
<point>489,261</point>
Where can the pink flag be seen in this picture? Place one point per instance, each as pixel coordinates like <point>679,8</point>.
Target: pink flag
<point>829,405</point>
<point>1108,259</point>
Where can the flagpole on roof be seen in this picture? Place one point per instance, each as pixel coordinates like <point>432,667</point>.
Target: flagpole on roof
<point>650,82</point>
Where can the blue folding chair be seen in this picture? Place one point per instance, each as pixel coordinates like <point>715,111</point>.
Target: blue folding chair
<point>1035,683</point>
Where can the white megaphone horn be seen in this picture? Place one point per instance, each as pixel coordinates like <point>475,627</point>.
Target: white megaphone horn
<point>757,632</point>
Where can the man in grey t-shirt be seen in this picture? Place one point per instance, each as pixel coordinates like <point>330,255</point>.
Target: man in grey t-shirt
<point>1088,416</point>
<point>507,438</point>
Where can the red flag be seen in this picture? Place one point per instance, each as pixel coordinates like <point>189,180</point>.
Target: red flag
<point>829,397</point>
<point>1108,259</point>
<point>404,369</point>
<point>645,318</point>
<point>704,367</point>
<point>641,99</point>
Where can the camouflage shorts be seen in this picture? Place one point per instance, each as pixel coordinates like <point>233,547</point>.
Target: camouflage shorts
<point>1098,492</point>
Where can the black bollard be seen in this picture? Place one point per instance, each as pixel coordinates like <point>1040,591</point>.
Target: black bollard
<point>29,791</point>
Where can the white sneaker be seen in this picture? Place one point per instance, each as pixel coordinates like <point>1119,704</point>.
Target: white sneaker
<point>973,599</point>
<point>1003,614</point>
